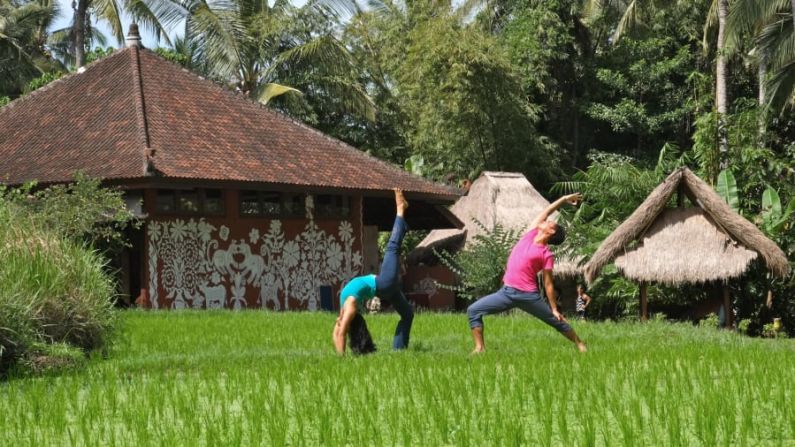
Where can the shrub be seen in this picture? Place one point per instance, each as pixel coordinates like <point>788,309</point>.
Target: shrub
<point>81,211</point>
<point>52,289</point>
<point>480,266</point>
<point>711,321</point>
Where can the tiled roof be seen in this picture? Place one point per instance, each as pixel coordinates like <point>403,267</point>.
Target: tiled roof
<point>108,119</point>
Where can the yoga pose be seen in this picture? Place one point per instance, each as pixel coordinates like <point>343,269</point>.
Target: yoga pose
<point>386,285</point>
<point>529,256</point>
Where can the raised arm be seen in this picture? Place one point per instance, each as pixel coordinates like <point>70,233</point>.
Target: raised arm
<point>572,199</point>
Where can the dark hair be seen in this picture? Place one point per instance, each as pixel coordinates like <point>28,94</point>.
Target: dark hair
<point>359,338</point>
<point>559,236</point>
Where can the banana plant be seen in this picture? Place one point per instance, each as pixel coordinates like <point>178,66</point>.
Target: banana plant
<point>775,219</point>
<point>727,189</point>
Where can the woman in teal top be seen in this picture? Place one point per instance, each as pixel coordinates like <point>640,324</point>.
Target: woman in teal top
<point>386,285</point>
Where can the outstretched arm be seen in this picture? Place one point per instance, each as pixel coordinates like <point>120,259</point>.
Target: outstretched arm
<point>549,286</point>
<point>343,324</point>
<point>544,215</point>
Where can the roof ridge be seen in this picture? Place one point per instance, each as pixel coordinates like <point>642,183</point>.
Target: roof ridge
<point>67,76</point>
<point>140,105</point>
<point>282,116</point>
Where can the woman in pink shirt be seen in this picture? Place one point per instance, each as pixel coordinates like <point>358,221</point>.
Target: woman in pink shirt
<point>528,257</point>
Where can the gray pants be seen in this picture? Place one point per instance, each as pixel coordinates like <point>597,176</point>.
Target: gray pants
<point>508,298</point>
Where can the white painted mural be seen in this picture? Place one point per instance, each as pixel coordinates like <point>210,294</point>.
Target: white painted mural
<point>427,285</point>
<point>197,265</point>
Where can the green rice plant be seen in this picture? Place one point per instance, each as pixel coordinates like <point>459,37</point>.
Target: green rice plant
<point>262,378</point>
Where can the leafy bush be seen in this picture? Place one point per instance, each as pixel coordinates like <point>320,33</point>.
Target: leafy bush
<point>480,266</point>
<point>4,100</point>
<point>52,289</point>
<point>711,321</point>
<point>81,211</point>
<point>42,80</point>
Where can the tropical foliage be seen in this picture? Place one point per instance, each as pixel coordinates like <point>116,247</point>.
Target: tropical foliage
<point>52,290</point>
<point>603,96</point>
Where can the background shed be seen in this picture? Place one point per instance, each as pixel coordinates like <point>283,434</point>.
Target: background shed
<point>704,243</point>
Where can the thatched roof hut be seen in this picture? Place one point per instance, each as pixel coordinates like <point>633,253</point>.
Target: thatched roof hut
<point>675,246</point>
<point>505,198</point>
<point>704,243</point>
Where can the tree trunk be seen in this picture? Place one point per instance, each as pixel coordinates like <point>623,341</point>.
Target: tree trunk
<point>762,78</point>
<point>79,32</point>
<point>720,84</point>
<point>762,96</point>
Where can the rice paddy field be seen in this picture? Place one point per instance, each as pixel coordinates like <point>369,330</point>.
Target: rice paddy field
<point>260,378</point>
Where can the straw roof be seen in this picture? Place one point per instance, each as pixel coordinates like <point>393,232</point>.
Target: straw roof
<point>675,246</point>
<point>682,245</point>
<point>505,198</point>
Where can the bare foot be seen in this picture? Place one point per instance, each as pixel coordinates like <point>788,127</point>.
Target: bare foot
<point>400,202</point>
<point>477,351</point>
<point>581,347</point>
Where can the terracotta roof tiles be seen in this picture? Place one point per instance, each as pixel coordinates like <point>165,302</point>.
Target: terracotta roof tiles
<point>105,120</point>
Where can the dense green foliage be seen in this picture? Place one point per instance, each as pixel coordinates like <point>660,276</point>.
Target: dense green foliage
<point>56,289</point>
<point>606,97</point>
<point>481,265</point>
<point>52,289</point>
<point>82,211</point>
<point>259,378</point>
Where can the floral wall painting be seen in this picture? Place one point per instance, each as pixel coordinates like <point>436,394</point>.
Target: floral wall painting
<point>196,264</point>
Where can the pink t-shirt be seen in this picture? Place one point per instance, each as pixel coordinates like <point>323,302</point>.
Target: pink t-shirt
<point>526,260</point>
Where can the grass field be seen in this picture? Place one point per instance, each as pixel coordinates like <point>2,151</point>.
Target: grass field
<point>256,378</point>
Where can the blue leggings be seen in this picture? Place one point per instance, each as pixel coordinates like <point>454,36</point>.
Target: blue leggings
<point>388,285</point>
<point>508,298</point>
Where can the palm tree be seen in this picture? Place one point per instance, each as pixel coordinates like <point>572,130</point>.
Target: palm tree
<point>254,45</point>
<point>625,17</point>
<point>23,34</point>
<point>108,11</point>
<point>771,22</point>
<point>721,97</point>
<point>748,18</point>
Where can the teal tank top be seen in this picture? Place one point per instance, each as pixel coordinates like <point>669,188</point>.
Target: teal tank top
<point>362,288</point>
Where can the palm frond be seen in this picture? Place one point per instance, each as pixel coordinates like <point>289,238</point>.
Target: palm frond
<point>216,34</point>
<point>749,16</point>
<point>108,11</point>
<point>271,90</point>
<point>710,27</point>
<point>326,51</point>
<point>776,40</point>
<point>337,8</point>
<point>628,23</point>
<point>780,87</point>
<point>593,9</point>
<point>146,18</point>
<point>172,13</point>
<point>569,187</point>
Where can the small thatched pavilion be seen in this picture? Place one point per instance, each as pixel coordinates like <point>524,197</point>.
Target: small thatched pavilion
<point>706,242</point>
<point>504,198</point>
